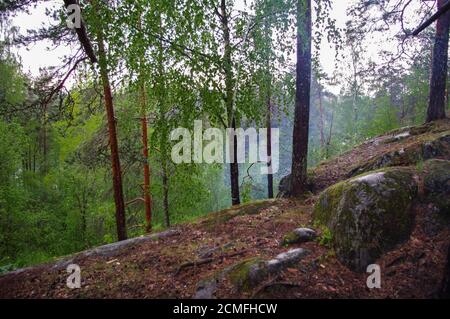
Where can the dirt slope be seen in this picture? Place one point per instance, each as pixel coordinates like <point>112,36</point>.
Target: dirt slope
<point>172,265</point>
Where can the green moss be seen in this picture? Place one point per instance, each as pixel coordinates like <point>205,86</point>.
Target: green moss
<point>367,214</point>
<point>239,274</point>
<point>289,238</point>
<point>437,184</point>
<point>328,203</point>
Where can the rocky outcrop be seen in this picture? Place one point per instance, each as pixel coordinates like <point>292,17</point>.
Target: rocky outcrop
<point>401,147</point>
<point>113,249</point>
<point>371,213</point>
<point>368,214</point>
<point>404,156</point>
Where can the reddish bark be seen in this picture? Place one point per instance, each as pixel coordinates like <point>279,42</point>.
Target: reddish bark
<point>147,197</point>
<point>115,162</point>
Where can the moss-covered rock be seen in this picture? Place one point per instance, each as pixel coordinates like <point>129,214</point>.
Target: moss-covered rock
<point>368,214</point>
<point>248,273</point>
<point>251,272</point>
<point>437,183</point>
<point>299,235</point>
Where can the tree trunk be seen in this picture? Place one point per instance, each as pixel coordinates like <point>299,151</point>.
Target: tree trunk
<point>229,88</point>
<point>354,88</point>
<point>321,122</point>
<point>115,162</point>
<point>165,181</point>
<point>269,150</point>
<point>147,197</point>
<point>234,171</point>
<point>302,97</point>
<point>143,105</point>
<point>436,105</point>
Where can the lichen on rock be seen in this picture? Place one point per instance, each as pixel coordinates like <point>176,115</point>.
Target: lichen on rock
<point>251,272</point>
<point>368,214</point>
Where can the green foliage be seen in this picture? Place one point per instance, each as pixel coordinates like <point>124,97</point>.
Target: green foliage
<point>55,175</point>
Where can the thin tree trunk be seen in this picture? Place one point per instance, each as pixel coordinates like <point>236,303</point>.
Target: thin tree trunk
<point>234,171</point>
<point>269,150</point>
<point>322,133</point>
<point>302,98</point>
<point>147,197</point>
<point>44,142</point>
<point>229,86</point>
<point>436,105</point>
<point>330,135</point>
<point>115,162</point>
<point>143,102</point>
<point>34,160</point>
<point>355,89</point>
<point>30,162</point>
<point>164,136</point>
<point>165,181</point>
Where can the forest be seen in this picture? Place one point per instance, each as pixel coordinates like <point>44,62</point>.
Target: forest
<point>95,98</point>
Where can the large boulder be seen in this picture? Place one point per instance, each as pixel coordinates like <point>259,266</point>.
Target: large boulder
<point>437,184</point>
<point>368,214</point>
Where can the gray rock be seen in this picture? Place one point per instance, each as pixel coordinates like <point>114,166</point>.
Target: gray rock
<point>397,137</point>
<point>299,235</point>
<point>437,147</point>
<point>286,259</point>
<point>368,215</point>
<point>437,184</point>
<point>206,289</point>
<point>252,272</point>
<point>113,249</point>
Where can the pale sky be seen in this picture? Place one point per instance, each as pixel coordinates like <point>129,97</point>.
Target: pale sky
<point>44,54</point>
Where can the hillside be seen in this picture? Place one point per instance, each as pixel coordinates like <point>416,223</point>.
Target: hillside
<point>235,253</point>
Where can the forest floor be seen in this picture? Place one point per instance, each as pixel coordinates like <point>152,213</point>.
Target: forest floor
<point>173,265</point>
